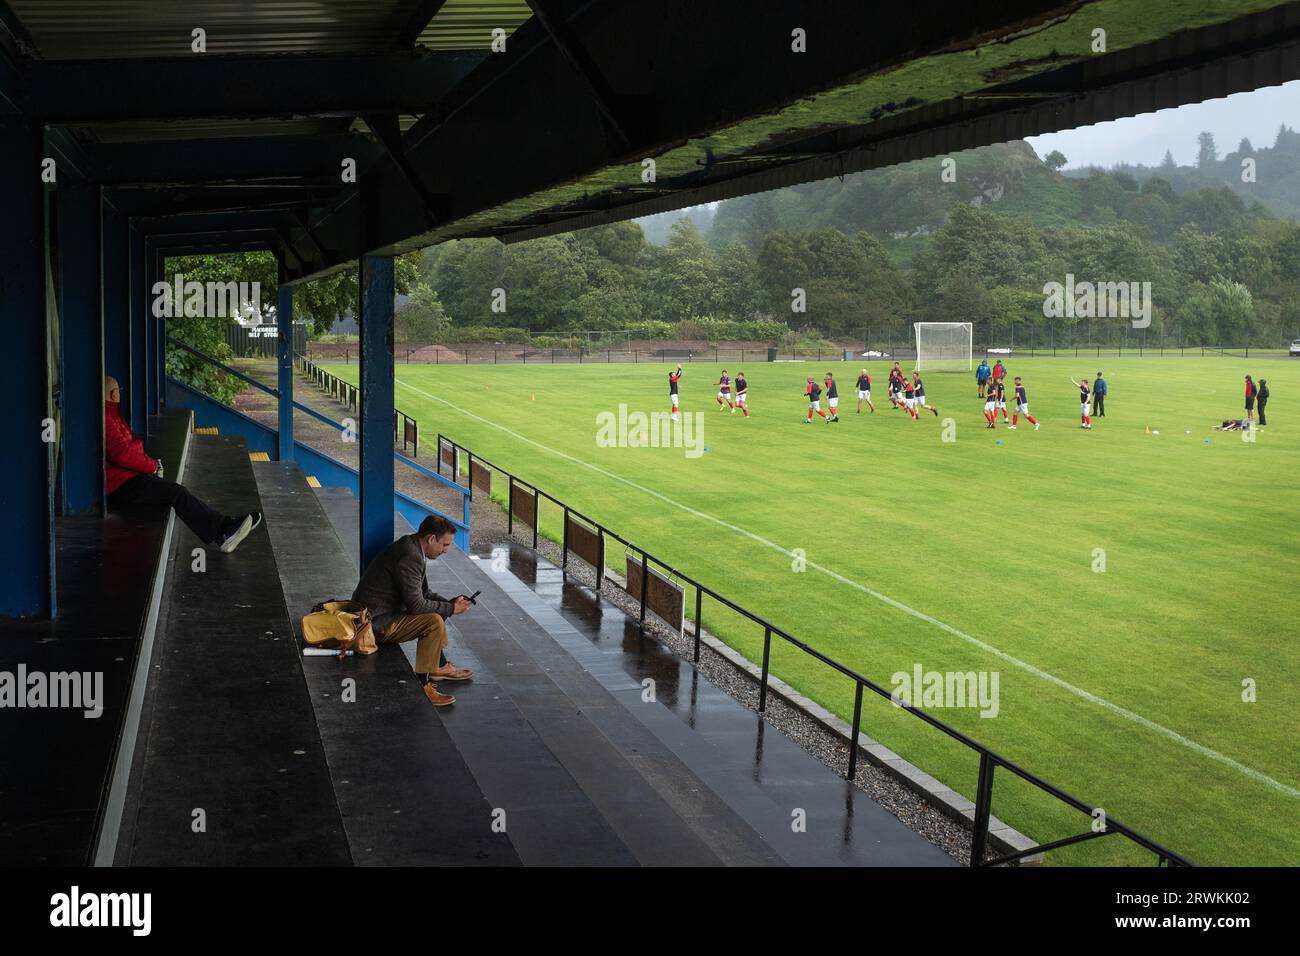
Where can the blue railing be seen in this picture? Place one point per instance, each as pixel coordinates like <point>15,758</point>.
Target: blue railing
<point>330,470</point>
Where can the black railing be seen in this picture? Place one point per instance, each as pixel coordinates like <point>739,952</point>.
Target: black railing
<point>463,461</point>
<point>405,428</point>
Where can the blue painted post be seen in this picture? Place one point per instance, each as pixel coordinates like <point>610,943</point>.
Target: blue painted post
<point>160,329</point>
<point>82,332</point>
<point>152,324</point>
<point>284,319</point>
<point>138,393</point>
<point>376,361</point>
<point>26,482</point>
<point>117,305</point>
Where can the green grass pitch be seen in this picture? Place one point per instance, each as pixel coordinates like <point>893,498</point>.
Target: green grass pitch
<point>1123,686</point>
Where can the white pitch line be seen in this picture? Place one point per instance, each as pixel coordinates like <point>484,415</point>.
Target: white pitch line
<point>1204,751</point>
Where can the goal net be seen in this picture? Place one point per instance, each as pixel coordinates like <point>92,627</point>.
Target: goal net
<point>943,346</point>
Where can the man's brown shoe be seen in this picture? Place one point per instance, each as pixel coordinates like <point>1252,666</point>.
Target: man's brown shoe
<point>436,698</point>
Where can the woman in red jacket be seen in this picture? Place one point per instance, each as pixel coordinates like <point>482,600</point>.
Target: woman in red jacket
<point>131,477</point>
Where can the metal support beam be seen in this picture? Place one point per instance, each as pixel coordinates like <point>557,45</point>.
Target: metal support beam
<point>387,130</point>
<point>81,328</point>
<point>82,92</point>
<point>284,321</point>
<point>290,159</point>
<point>156,348</point>
<point>552,18</point>
<point>138,388</point>
<point>27,483</point>
<point>116,252</point>
<point>159,261</point>
<point>376,312</point>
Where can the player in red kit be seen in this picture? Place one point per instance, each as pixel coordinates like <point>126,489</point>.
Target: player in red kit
<point>814,393</point>
<point>1084,390</point>
<point>1022,406</point>
<point>724,392</point>
<point>864,391</point>
<point>672,388</point>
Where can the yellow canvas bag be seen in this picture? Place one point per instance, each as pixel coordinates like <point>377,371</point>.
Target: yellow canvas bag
<point>341,625</point>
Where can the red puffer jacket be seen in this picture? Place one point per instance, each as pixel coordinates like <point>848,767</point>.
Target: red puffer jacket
<point>124,456</point>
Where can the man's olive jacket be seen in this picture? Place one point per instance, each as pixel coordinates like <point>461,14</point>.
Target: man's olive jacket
<point>394,583</point>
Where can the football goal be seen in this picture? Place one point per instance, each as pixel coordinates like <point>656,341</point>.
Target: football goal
<point>943,346</point>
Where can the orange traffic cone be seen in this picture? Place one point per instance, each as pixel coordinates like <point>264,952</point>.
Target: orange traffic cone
<point>1148,429</point>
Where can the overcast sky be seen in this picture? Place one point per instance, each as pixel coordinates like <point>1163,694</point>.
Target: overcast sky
<point>1144,139</point>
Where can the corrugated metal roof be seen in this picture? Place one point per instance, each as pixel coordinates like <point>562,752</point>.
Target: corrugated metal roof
<point>468,24</point>
<point>97,29</point>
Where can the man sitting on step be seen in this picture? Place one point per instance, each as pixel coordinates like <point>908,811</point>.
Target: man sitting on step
<point>402,608</point>
<point>131,477</point>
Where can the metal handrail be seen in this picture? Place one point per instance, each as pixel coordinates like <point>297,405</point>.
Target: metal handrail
<point>225,368</point>
<point>347,393</point>
<point>989,759</point>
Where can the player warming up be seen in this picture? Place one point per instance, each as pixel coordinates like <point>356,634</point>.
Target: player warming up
<point>1022,407</point>
<point>742,393</point>
<point>864,391</point>
<point>918,389</point>
<point>724,392</point>
<point>896,386</point>
<point>1000,396</point>
<point>814,393</point>
<point>909,399</point>
<point>990,408</point>
<point>1084,417</point>
<point>672,388</point>
<point>832,399</point>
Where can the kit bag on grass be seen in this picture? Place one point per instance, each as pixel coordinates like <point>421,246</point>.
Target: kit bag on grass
<point>341,625</point>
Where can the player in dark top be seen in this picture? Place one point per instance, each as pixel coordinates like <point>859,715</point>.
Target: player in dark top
<point>832,399</point>
<point>742,393</point>
<point>909,399</point>
<point>814,393</point>
<point>918,388</point>
<point>1084,416</point>
<point>1022,406</point>
<point>896,386</point>
<point>1000,395</point>
<point>1250,399</point>
<point>724,392</point>
<point>864,391</point>
<point>672,388</point>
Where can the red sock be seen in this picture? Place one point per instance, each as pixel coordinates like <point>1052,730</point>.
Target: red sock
<point>745,409</point>
<point>731,406</point>
<point>1015,419</point>
<point>1030,419</point>
<point>1004,414</point>
<point>810,414</point>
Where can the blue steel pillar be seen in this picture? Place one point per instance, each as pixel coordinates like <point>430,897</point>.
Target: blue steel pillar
<point>82,329</point>
<point>116,290</point>
<point>154,329</point>
<point>139,387</point>
<point>284,320</point>
<point>27,479</point>
<point>376,405</point>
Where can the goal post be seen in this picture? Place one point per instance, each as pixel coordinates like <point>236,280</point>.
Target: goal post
<point>944,346</point>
